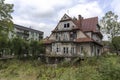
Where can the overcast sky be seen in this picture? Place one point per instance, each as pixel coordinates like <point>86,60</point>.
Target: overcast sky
<point>44,14</point>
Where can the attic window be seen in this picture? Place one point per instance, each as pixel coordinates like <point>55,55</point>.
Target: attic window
<point>65,17</point>
<point>56,28</point>
<point>66,25</point>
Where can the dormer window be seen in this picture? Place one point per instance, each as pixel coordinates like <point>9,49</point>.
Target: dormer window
<point>65,17</point>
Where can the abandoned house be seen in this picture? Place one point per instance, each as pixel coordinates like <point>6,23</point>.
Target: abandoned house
<point>74,37</point>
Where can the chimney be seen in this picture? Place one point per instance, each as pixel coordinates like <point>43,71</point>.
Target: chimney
<point>80,18</point>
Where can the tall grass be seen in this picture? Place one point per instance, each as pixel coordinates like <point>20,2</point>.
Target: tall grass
<point>95,68</point>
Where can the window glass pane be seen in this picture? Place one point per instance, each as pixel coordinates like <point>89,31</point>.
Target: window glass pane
<point>68,25</point>
<point>65,26</point>
<point>67,50</point>
<point>63,49</point>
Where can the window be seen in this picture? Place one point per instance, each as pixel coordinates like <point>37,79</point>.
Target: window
<point>57,49</point>
<point>65,37</point>
<point>92,49</point>
<point>98,51</point>
<point>63,49</point>
<point>81,49</point>
<point>68,25</point>
<point>72,50</point>
<point>67,50</point>
<point>65,17</point>
<point>65,25</point>
<point>56,36</point>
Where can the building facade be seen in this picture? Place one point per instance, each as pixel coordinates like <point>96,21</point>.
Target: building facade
<point>26,33</point>
<point>75,37</point>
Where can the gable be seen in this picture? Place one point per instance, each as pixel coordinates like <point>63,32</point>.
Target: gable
<point>80,34</point>
<point>64,22</point>
<point>64,26</point>
<point>65,17</point>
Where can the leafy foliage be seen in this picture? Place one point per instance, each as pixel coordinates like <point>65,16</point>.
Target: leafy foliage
<point>116,44</point>
<point>5,25</point>
<point>22,48</point>
<point>110,24</point>
<point>111,27</point>
<point>5,18</point>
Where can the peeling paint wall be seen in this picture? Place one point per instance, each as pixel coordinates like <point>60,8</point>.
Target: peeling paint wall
<point>80,34</point>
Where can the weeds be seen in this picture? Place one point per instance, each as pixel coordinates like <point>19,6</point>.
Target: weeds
<point>102,68</point>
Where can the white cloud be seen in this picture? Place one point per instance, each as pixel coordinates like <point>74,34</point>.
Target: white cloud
<point>115,4</point>
<point>41,8</point>
<point>44,14</point>
<point>86,10</point>
<point>46,28</point>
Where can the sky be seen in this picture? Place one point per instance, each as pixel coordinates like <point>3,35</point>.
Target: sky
<point>44,15</point>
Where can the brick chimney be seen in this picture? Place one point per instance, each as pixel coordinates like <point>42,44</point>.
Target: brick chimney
<point>80,18</point>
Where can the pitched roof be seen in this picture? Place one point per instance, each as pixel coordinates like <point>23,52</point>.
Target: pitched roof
<point>89,24</point>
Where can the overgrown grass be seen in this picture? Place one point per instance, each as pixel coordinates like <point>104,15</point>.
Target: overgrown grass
<point>95,68</point>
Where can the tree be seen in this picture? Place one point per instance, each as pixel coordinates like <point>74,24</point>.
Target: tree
<point>34,45</point>
<point>110,25</point>
<point>5,23</point>
<point>3,46</point>
<point>36,48</point>
<point>116,44</point>
<point>5,18</point>
<point>17,47</point>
